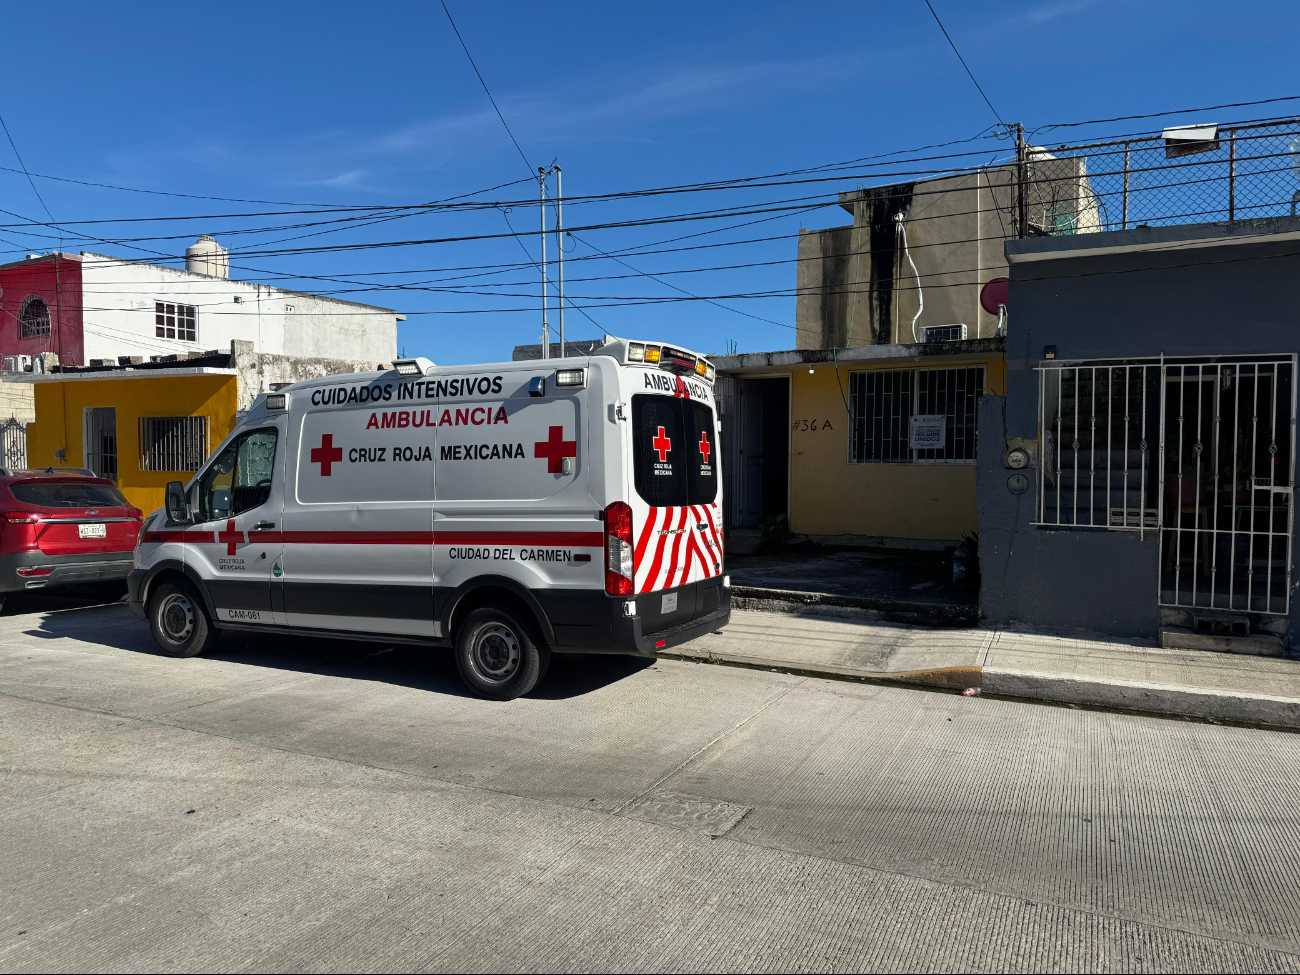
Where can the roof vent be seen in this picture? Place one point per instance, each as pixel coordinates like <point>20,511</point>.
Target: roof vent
<point>206,256</point>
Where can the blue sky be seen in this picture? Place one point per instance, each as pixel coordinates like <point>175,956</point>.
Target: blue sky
<point>348,104</point>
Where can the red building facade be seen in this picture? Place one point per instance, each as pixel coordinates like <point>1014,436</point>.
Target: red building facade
<point>41,308</point>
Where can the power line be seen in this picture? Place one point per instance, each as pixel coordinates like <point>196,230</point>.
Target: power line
<point>963,63</point>
<point>30,181</point>
<point>486,91</point>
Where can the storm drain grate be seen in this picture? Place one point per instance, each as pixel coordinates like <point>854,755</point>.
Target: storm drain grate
<point>695,814</point>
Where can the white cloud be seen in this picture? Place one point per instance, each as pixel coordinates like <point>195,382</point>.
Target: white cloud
<point>1048,12</point>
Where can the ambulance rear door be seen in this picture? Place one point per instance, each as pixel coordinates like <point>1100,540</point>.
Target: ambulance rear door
<point>676,498</point>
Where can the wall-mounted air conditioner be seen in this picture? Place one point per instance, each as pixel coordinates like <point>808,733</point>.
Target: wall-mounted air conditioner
<point>943,333</point>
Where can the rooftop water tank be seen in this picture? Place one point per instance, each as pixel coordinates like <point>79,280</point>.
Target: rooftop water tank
<point>206,256</point>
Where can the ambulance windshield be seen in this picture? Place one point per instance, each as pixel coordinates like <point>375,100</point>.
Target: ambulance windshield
<point>674,456</point>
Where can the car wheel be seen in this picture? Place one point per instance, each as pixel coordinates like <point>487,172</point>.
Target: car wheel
<point>497,655</point>
<point>178,621</point>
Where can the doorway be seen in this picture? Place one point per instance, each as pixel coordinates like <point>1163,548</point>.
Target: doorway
<point>763,455</point>
<point>101,441</point>
<point>1227,492</point>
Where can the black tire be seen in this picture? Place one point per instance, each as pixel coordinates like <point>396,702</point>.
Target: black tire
<point>179,622</point>
<point>498,655</point>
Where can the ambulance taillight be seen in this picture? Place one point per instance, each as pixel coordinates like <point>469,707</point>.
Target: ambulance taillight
<point>618,549</point>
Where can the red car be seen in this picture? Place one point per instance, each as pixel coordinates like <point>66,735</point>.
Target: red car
<point>63,527</point>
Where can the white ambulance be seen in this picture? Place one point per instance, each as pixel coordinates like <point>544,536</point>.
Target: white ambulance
<point>508,511</point>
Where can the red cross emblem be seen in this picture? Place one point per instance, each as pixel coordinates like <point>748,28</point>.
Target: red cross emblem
<point>705,449</point>
<point>327,455</point>
<point>555,448</point>
<point>662,444</point>
<point>680,389</point>
<point>230,538</point>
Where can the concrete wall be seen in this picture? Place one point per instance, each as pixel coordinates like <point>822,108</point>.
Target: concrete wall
<point>1054,578</point>
<point>259,371</point>
<point>856,285</point>
<point>17,401</point>
<point>59,412</point>
<point>1178,291</point>
<point>119,299</point>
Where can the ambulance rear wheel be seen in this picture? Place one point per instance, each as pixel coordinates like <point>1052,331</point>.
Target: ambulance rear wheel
<point>178,621</point>
<point>497,655</point>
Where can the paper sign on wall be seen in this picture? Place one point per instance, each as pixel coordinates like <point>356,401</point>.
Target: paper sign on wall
<point>929,432</point>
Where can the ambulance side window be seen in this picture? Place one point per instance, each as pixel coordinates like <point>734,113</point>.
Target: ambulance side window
<point>240,478</point>
<point>659,450</point>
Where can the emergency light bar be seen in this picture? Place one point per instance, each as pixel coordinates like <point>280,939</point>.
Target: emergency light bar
<point>277,401</point>
<point>570,377</point>
<point>674,360</point>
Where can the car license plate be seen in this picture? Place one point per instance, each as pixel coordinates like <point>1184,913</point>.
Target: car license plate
<point>92,531</point>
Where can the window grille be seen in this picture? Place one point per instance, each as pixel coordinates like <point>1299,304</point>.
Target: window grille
<point>1100,428</point>
<point>173,443</point>
<point>175,321</point>
<point>1198,450</point>
<point>883,402</point>
<point>33,318</point>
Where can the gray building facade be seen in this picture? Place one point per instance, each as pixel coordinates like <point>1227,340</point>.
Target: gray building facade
<point>1151,400</point>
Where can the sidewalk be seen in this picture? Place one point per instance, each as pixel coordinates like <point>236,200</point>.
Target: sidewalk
<point>1009,663</point>
<point>876,584</point>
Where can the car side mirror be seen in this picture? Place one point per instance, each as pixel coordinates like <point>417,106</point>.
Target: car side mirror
<point>178,509</point>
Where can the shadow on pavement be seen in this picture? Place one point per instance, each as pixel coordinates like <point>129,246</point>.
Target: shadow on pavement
<point>70,597</point>
<point>423,668</point>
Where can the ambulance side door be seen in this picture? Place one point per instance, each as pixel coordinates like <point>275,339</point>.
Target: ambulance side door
<point>235,545</point>
<point>359,523</point>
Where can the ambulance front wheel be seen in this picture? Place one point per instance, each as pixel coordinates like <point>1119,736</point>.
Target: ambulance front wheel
<point>497,655</point>
<point>179,623</point>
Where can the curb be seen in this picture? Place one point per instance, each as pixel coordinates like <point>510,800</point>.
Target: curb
<point>938,678</point>
<point>1237,707</point>
<point>1158,700</point>
<point>797,603</point>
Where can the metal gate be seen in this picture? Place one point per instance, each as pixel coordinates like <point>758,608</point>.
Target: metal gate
<point>13,444</point>
<point>101,440</point>
<point>1200,450</point>
<point>1227,472</point>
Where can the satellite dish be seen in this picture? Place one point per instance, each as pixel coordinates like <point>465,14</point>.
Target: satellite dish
<point>993,294</point>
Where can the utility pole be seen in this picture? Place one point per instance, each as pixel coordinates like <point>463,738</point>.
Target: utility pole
<point>559,246</point>
<point>546,328</point>
<point>1022,181</point>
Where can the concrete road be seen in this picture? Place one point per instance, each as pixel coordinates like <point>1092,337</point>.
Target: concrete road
<point>289,805</point>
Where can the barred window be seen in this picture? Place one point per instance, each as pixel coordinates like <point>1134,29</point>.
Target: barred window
<point>173,443</point>
<point>175,321</point>
<point>883,404</point>
<point>33,318</point>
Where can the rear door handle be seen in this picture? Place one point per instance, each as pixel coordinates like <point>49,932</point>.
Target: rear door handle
<point>263,524</point>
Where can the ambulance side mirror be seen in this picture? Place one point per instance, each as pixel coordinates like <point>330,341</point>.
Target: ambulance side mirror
<point>178,509</point>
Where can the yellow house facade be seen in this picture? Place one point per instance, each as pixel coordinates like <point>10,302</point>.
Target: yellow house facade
<point>142,427</point>
<point>829,439</point>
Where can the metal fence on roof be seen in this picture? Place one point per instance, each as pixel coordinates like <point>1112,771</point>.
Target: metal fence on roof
<point>1196,174</point>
